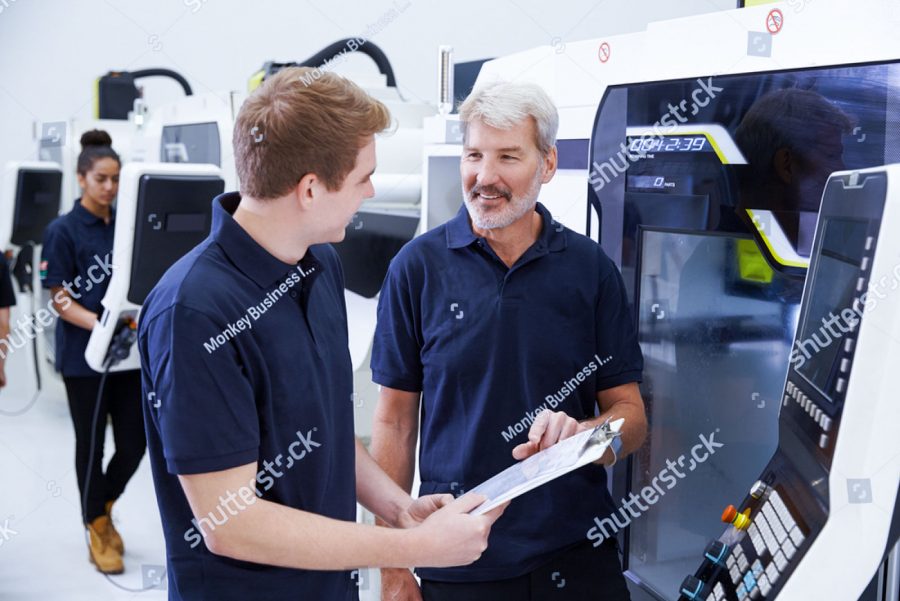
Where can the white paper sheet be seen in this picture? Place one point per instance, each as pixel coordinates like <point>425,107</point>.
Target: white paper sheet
<point>549,464</point>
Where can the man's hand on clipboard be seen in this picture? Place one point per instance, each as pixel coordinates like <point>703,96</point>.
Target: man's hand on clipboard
<point>544,464</point>
<point>551,427</point>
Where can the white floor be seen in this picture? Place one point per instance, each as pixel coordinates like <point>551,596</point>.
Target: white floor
<point>43,554</point>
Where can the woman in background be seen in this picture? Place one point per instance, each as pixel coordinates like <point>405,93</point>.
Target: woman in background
<point>75,264</point>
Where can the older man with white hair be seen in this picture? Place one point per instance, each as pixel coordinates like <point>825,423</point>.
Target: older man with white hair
<point>483,322</point>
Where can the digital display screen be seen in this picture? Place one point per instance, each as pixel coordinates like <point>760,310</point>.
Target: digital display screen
<point>186,222</point>
<point>648,182</point>
<point>830,313</point>
<point>650,145</point>
<point>37,200</point>
<point>191,143</point>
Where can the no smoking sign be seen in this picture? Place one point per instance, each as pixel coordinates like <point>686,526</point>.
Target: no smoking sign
<point>775,21</point>
<point>604,52</point>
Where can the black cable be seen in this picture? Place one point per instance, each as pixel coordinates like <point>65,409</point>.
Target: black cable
<point>25,409</point>
<point>370,49</point>
<point>34,353</point>
<point>87,480</point>
<point>107,364</point>
<point>165,73</point>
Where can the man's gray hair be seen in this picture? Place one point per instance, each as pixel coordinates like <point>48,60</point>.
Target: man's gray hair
<point>504,104</point>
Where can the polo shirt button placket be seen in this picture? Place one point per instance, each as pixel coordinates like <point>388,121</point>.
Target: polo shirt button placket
<point>500,288</point>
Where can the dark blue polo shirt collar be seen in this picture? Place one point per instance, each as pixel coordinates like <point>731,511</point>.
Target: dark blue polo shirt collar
<point>89,218</point>
<point>252,259</point>
<point>552,236</point>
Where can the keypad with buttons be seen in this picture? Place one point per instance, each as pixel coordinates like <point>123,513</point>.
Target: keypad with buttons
<point>775,536</point>
<point>821,422</point>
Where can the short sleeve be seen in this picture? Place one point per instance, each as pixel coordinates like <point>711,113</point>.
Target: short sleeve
<point>57,257</point>
<point>7,292</point>
<point>617,344</point>
<point>396,351</point>
<point>202,404</point>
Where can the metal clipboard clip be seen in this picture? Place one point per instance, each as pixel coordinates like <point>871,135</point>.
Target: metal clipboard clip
<point>601,435</point>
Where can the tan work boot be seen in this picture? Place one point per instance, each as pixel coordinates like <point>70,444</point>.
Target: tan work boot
<point>102,554</point>
<point>114,539</point>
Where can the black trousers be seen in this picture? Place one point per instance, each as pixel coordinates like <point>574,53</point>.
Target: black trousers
<point>121,402</point>
<point>584,572</point>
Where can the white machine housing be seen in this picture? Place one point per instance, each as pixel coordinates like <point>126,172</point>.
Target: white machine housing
<point>115,302</point>
<point>839,563</point>
<point>65,146</point>
<point>208,108</point>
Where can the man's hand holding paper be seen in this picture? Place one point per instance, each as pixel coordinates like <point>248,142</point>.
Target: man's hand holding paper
<point>568,453</point>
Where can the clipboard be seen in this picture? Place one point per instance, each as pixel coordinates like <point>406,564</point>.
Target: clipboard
<point>551,463</point>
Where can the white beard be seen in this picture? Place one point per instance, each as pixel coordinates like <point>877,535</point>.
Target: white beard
<point>507,214</point>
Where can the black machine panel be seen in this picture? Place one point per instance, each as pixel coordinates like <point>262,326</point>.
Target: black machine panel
<point>372,240</point>
<point>680,172</point>
<point>823,352</point>
<point>174,214</point>
<point>37,204</point>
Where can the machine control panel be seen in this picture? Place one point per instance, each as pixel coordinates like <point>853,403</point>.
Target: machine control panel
<point>789,537</point>
<point>775,537</point>
<point>754,554</point>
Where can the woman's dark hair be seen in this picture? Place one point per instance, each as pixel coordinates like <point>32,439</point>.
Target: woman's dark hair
<point>95,145</point>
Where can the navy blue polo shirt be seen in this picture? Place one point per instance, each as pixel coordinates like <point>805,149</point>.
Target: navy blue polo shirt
<point>244,359</point>
<point>488,346</point>
<point>77,254</point>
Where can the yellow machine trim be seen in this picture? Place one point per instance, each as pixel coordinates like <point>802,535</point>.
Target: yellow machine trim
<point>718,150</point>
<point>749,3</point>
<point>97,98</point>
<point>712,142</point>
<point>752,265</point>
<point>255,81</point>
<point>772,250</point>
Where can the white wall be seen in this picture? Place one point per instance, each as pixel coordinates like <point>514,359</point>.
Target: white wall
<point>51,51</point>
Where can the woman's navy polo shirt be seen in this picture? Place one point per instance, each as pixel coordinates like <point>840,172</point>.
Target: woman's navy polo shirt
<point>488,346</point>
<point>77,254</point>
<point>244,359</point>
